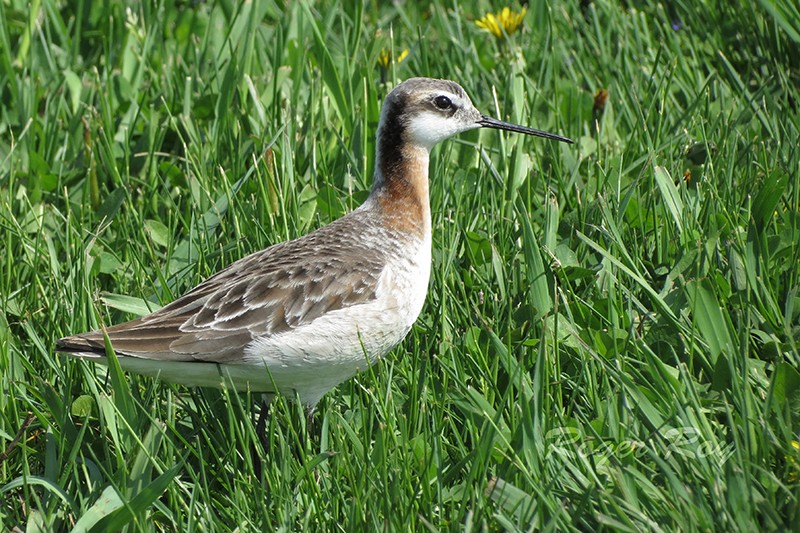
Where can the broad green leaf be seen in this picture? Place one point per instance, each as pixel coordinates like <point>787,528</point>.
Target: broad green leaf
<point>111,513</point>
<point>479,248</point>
<point>769,196</point>
<point>670,195</point>
<point>75,86</point>
<point>108,502</point>
<point>538,289</point>
<point>785,387</point>
<point>513,500</point>
<point>710,319</point>
<point>82,406</point>
<point>158,232</point>
<point>111,204</point>
<point>129,304</point>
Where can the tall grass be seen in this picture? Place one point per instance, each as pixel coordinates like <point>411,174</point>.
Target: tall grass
<point>610,339</point>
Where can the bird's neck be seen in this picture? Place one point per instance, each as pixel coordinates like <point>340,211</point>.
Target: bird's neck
<point>400,188</point>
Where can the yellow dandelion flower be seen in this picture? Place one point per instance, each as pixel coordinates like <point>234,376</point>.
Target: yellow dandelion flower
<point>385,58</point>
<point>402,56</point>
<point>504,22</point>
<point>792,474</point>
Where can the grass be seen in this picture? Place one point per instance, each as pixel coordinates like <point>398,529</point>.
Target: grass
<point>611,336</point>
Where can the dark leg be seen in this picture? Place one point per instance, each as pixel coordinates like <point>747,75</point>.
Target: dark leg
<point>261,433</point>
<point>311,426</point>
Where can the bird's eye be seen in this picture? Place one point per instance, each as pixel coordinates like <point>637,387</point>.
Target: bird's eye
<point>442,102</point>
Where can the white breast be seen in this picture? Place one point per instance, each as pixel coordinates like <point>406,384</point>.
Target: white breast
<point>317,356</point>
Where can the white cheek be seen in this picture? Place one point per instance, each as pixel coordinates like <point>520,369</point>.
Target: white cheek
<point>429,129</point>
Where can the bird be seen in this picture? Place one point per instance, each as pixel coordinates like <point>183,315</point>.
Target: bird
<point>304,315</point>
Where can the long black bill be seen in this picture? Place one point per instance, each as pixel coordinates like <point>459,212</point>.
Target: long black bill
<point>489,122</point>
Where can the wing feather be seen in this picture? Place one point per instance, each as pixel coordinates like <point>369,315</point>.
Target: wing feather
<point>267,293</point>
